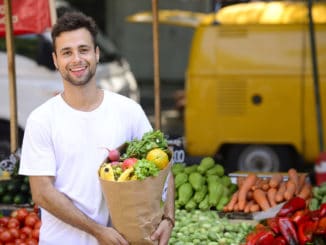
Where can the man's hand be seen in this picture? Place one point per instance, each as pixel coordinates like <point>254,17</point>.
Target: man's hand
<point>109,236</point>
<point>163,232</point>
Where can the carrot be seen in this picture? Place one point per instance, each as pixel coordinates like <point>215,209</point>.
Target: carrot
<point>232,201</point>
<point>236,207</point>
<point>271,194</point>
<point>305,192</point>
<point>275,180</point>
<point>280,192</point>
<point>302,181</point>
<point>248,206</point>
<point>293,176</point>
<point>249,195</point>
<point>254,207</point>
<point>257,184</point>
<point>265,185</point>
<point>240,180</point>
<point>261,199</point>
<point>247,184</point>
<point>290,190</point>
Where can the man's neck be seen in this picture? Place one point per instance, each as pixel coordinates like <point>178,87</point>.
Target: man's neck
<point>83,99</point>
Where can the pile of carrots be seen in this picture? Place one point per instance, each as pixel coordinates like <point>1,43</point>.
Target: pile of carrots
<point>256,193</point>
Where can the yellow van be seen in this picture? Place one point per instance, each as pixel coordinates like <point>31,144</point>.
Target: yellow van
<point>249,84</point>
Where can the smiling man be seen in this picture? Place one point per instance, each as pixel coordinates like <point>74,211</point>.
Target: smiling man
<point>65,139</point>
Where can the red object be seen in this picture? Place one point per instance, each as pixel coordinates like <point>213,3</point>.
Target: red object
<point>294,204</point>
<point>321,226</point>
<point>129,162</point>
<point>320,168</point>
<point>280,240</point>
<point>288,230</point>
<point>28,16</point>
<point>273,224</point>
<point>306,231</point>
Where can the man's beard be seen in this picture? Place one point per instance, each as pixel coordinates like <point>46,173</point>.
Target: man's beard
<point>79,81</point>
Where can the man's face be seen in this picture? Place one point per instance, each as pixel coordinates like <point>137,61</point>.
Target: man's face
<point>75,56</point>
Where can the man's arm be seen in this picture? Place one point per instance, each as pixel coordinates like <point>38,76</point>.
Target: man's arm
<point>46,196</point>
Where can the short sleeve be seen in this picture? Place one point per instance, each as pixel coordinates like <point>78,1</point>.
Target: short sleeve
<point>37,156</point>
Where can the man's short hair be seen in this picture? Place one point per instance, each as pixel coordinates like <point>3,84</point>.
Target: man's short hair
<point>71,21</point>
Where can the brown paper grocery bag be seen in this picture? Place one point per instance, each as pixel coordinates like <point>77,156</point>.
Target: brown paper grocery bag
<point>136,206</point>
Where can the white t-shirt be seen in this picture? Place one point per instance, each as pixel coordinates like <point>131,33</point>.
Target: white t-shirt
<point>70,145</point>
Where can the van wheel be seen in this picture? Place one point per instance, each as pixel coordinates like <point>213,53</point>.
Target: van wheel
<point>258,158</point>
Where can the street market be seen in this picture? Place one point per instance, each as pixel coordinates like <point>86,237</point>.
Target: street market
<point>250,168</point>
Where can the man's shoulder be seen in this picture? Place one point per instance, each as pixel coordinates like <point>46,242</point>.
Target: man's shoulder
<point>46,109</point>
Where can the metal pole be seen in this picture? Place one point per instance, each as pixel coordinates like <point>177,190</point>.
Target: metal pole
<point>157,97</point>
<point>12,77</point>
<point>315,77</point>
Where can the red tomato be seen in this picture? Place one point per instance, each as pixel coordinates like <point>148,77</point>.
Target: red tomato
<point>4,221</point>
<point>14,232</point>
<point>36,233</point>
<point>21,214</point>
<point>6,236</point>
<point>31,220</point>
<point>22,236</point>
<point>13,223</point>
<point>38,224</point>
<point>31,241</point>
<point>27,231</point>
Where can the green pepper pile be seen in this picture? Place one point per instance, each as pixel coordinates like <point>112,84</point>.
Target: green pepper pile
<point>202,186</point>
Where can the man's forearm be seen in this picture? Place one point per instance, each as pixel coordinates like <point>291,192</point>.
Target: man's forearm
<point>169,203</point>
<point>59,205</point>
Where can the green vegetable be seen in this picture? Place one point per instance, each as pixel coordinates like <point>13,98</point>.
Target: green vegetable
<point>215,192</point>
<point>191,169</point>
<point>150,140</point>
<point>217,169</point>
<point>185,192</point>
<point>313,204</point>
<point>177,168</point>
<point>144,168</point>
<point>226,180</point>
<point>205,164</point>
<point>203,205</point>
<point>180,179</point>
<point>200,194</point>
<point>223,201</point>
<point>212,178</point>
<point>191,204</point>
<point>196,180</point>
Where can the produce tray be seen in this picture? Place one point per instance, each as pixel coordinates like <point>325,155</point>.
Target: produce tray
<point>263,175</point>
<point>235,215</point>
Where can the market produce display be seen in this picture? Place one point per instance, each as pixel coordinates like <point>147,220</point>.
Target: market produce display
<point>259,194</point>
<point>15,190</point>
<point>21,226</point>
<point>202,186</point>
<point>205,227</point>
<point>294,224</point>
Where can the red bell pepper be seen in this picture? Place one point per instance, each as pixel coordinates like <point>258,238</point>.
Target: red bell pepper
<point>266,238</point>
<point>321,226</point>
<point>279,240</point>
<point>272,223</point>
<point>288,230</point>
<point>306,231</point>
<point>300,216</point>
<point>294,204</point>
<point>322,210</point>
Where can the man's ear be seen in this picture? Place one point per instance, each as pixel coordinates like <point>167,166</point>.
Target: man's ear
<point>54,57</point>
<point>97,52</point>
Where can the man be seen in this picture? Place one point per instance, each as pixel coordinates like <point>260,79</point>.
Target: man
<point>64,144</point>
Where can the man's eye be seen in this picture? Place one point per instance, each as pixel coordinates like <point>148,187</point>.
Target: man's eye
<point>67,53</point>
<point>83,51</point>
